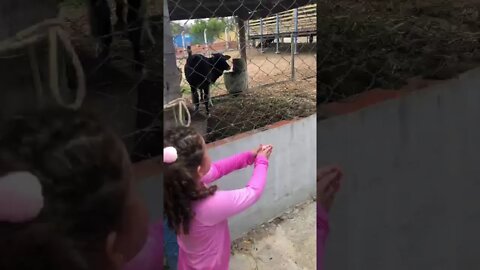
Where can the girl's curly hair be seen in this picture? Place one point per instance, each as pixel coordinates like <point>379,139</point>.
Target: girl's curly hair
<point>181,184</point>
<point>79,163</point>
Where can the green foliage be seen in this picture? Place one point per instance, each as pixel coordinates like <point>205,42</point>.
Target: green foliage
<point>214,28</point>
<point>176,28</point>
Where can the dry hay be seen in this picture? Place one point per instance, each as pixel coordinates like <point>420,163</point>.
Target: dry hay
<point>381,44</point>
<point>261,107</point>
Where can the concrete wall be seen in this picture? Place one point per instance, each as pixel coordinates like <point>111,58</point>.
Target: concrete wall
<point>410,197</point>
<point>291,176</point>
<point>151,190</point>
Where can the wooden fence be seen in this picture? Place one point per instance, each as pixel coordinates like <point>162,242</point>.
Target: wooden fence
<point>307,23</point>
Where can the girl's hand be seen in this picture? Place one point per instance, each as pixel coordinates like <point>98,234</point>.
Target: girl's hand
<point>265,151</point>
<point>328,183</point>
<point>256,150</point>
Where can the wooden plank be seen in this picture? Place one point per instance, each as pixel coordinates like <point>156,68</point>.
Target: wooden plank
<point>309,9</point>
<point>284,28</point>
<point>282,21</point>
<point>285,24</point>
<point>284,17</point>
<point>287,21</point>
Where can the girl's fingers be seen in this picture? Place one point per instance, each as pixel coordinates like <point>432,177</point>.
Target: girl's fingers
<point>324,171</point>
<point>330,192</point>
<point>328,184</point>
<point>337,182</point>
<point>268,150</point>
<point>329,197</point>
<point>324,180</point>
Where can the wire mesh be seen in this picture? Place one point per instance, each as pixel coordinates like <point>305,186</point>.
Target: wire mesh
<point>392,47</point>
<point>119,43</point>
<point>276,45</point>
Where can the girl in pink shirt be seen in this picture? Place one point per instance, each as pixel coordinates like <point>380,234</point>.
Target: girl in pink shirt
<point>199,213</point>
<point>328,184</point>
<point>67,195</point>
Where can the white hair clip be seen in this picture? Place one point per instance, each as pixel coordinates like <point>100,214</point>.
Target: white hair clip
<point>169,154</point>
<point>21,197</point>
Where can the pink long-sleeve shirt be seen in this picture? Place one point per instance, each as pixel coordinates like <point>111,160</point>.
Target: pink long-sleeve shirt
<point>322,233</point>
<point>151,255</point>
<point>207,246</point>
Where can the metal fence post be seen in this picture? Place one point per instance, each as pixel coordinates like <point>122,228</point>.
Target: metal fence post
<point>205,39</point>
<point>292,54</point>
<point>295,18</point>
<point>277,23</point>
<point>261,35</point>
<point>183,44</point>
<point>226,38</point>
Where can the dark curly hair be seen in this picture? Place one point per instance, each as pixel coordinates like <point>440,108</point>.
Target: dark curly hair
<point>181,183</point>
<point>80,164</point>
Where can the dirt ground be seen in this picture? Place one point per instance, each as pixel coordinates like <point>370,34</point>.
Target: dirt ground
<point>285,243</point>
<point>381,44</point>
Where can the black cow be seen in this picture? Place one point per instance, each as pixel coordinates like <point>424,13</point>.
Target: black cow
<point>201,72</point>
<point>101,25</point>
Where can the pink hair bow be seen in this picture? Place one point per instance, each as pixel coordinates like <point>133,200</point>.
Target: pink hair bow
<point>21,197</point>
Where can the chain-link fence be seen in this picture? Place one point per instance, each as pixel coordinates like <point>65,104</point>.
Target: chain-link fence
<point>271,72</point>
<point>119,45</point>
<point>366,45</point>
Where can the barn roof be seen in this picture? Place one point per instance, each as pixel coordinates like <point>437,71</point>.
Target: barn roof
<point>246,9</point>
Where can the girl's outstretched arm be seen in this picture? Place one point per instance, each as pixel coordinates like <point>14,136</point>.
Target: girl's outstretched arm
<point>322,233</point>
<point>148,258</point>
<point>224,204</point>
<point>225,166</point>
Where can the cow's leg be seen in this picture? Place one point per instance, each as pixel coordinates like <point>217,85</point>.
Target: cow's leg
<point>195,98</point>
<point>206,99</point>
<point>101,26</point>
<point>120,13</point>
<point>135,24</point>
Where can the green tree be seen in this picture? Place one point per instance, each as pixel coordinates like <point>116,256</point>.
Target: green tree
<point>230,23</point>
<point>176,28</point>
<point>215,27</point>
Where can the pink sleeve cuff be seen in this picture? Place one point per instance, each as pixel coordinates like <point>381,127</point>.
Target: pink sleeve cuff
<point>261,160</point>
<point>322,213</point>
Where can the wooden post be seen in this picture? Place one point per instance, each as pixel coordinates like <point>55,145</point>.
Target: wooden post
<point>171,85</point>
<point>242,39</point>
<point>236,81</point>
<point>247,26</point>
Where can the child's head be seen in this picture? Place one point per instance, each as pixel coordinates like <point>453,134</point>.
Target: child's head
<point>182,177</point>
<point>90,217</point>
